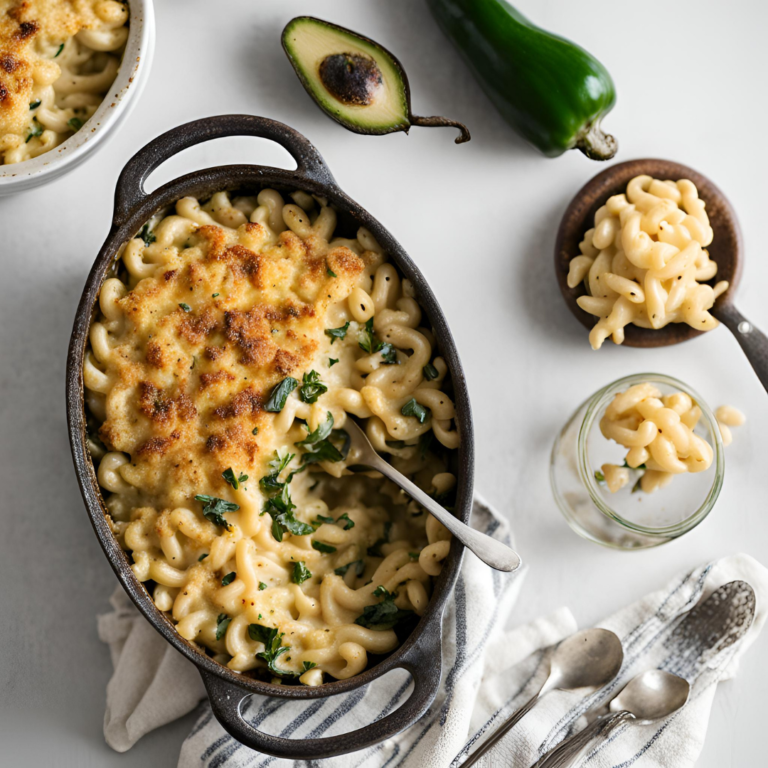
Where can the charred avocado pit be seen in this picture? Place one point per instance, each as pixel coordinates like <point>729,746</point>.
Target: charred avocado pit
<point>352,79</point>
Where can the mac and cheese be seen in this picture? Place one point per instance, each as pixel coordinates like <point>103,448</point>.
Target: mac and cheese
<point>58,59</point>
<point>727,416</point>
<point>645,261</point>
<point>659,433</point>
<point>229,349</point>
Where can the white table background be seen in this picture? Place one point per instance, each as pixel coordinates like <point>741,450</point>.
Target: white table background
<point>480,220</point>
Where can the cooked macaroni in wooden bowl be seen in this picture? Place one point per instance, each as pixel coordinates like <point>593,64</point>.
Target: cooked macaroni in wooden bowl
<point>233,323</point>
<point>59,61</point>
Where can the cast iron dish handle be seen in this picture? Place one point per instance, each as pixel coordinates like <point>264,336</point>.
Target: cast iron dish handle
<point>130,186</point>
<point>422,661</point>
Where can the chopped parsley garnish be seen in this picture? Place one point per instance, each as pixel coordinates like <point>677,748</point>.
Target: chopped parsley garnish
<point>320,547</point>
<point>375,549</point>
<point>202,557</point>
<point>320,519</point>
<point>214,509</point>
<point>414,555</point>
<point>61,48</point>
<point>358,565</point>
<point>309,664</point>
<point>325,443</point>
<point>388,354</point>
<point>185,307</point>
<point>430,372</point>
<point>147,236</point>
<point>34,131</point>
<point>262,586</point>
<point>222,622</point>
<point>366,338</point>
<point>320,434</point>
<point>233,479</point>
<point>368,342</point>
<point>311,387</point>
<point>337,333</point>
<point>255,431</point>
<point>228,579</point>
<point>279,504</point>
<point>271,639</point>
<point>279,395</point>
<point>383,615</point>
<point>419,412</point>
<point>348,521</point>
<point>214,295</point>
<point>35,104</point>
<point>637,486</point>
<point>300,572</point>
<point>332,361</point>
<point>75,123</point>
<point>330,272</point>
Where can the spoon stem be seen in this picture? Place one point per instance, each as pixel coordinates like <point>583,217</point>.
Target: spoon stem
<point>567,751</point>
<point>502,731</point>
<point>751,339</point>
<point>491,551</point>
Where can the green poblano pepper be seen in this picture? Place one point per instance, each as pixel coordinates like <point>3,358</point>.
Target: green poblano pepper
<point>551,91</point>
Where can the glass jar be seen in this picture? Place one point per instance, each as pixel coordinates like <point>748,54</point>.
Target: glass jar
<point>629,518</point>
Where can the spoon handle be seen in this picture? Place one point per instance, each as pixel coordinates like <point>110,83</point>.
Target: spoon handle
<point>502,730</point>
<point>751,339</point>
<point>564,753</point>
<point>491,551</point>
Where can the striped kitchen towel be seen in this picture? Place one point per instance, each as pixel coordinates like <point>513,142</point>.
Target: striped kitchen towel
<point>488,673</point>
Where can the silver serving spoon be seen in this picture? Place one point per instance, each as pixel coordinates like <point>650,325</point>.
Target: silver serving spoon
<point>489,550</point>
<point>707,630</point>
<point>590,658</point>
<point>649,696</point>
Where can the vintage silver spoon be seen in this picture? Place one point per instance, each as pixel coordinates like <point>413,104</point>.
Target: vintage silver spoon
<point>707,630</point>
<point>492,552</point>
<point>649,696</point>
<point>590,658</point>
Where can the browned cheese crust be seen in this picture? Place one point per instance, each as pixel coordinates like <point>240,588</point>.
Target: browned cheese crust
<point>190,385</point>
<point>26,27</point>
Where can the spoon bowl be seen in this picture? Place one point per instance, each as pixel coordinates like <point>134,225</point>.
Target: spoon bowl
<point>591,657</point>
<point>725,248</point>
<point>652,695</point>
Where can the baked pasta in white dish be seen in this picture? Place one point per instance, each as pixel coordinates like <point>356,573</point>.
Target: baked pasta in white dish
<point>229,349</point>
<point>58,59</point>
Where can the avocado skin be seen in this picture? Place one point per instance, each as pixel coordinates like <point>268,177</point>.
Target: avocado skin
<point>329,102</point>
<point>551,91</point>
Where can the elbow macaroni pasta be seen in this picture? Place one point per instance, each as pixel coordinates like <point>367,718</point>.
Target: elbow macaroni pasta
<point>659,433</point>
<point>210,312</point>
<point>59,59</point>
<point>645,261</point>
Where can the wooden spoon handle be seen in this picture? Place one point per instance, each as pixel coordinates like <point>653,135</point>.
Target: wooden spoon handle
<point>751,339</point>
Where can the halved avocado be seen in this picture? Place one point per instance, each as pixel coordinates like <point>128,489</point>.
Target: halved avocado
<point>354,80</point>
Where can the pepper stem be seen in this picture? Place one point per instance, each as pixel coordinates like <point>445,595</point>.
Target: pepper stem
<point>596,144</point>
<point>443,122</point>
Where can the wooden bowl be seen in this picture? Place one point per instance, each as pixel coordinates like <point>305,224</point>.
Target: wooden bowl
<point>725,249</point>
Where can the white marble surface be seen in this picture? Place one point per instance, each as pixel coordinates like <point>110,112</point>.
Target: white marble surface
<point>480,220</point>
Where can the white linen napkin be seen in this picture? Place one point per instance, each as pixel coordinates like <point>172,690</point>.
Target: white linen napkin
<point>487,674</point>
